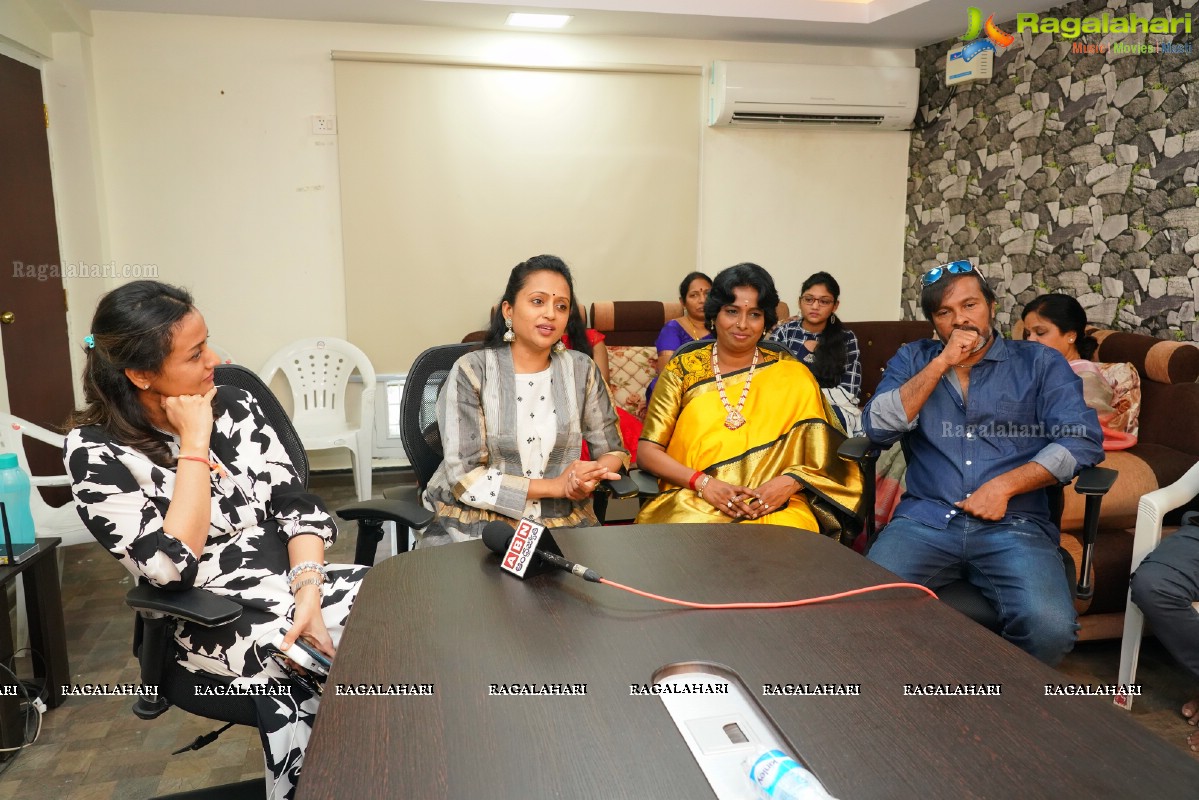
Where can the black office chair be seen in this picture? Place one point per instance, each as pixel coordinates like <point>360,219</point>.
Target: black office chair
<point>1093,482</point>
<point>422,442</point>
<point>158,611</point>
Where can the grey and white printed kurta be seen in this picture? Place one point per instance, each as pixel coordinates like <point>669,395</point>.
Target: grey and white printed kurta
<point>257,506</point>
<point>486,420</point>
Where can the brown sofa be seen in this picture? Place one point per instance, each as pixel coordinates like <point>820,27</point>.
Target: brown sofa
<point>1168,445</point>
<point>630,328</point>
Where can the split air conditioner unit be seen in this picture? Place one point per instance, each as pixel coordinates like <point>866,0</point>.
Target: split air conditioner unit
<point>762,95</point>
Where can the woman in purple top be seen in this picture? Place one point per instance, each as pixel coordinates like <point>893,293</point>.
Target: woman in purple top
<point>693,291</point>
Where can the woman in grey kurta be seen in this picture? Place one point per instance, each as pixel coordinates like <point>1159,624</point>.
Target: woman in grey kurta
<point>514,414</point>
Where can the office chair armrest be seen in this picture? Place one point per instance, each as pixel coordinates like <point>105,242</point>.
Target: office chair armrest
<point>861,450</point>
<point>647,484</point>
<point>194,605</point>
<point>402,512</point>
<point>1095,480</point>
<point>621,488</point>
<point>1094,483</point>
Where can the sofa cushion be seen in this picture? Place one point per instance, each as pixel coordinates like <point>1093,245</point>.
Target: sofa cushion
<point>1126,396</point>
<point>631,369</point>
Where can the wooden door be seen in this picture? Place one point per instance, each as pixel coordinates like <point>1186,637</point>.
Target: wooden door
<point>33,311</point>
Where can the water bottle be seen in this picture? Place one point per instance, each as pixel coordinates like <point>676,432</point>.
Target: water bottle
<point>14,493</point>
<point>777,776</point>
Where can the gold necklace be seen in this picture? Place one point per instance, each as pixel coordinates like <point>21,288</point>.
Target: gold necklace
<point>690,327</point>
<point>734,418</point>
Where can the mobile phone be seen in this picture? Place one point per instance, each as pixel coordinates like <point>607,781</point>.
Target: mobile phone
<point>303,654</point>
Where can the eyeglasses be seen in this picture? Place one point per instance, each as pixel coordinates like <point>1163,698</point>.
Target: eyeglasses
<point>936,273</point>
<point>823,302</point>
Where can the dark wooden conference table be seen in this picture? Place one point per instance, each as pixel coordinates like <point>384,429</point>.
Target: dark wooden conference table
<point>450,617</point>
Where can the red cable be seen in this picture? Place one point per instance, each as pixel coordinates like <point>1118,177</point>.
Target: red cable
<point>782,604</point>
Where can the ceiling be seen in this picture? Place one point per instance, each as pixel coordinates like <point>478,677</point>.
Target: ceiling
<point>879,23</point>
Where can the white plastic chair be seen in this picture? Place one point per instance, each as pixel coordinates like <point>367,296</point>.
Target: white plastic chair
<point>1150,512</point>
<point>62,522</point>
<point>318,371</point>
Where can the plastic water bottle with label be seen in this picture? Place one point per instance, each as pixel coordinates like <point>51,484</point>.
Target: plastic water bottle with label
<point>14,493</point>
<point>777,776</point>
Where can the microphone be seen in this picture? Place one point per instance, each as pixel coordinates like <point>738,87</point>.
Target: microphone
<point>518,546</point>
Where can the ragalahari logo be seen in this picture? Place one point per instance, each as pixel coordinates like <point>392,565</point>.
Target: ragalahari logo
<point>975,26</point>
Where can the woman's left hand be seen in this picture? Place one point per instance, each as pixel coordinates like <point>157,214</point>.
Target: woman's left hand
<point>773,495</point>
<point>309,623</point>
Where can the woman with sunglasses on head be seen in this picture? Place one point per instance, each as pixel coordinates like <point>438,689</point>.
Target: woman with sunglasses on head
<point>1058,321</point>
<point>737,429</point>
<point>515,413</point>
<point>187,485</point>
<point>818,339</point>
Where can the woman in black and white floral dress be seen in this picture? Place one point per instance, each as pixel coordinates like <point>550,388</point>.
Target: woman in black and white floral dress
<point>186,484</point>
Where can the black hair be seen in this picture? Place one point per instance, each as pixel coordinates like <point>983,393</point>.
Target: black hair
<point>686,284</point>
<point>744,274</point>
<point>133,328</point>
<point>575,328</point>
<point>1068,315</point>
<point>828,362</point>
<point>931,296</point>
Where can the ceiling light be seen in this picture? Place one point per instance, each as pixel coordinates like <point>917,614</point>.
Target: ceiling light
<point>538,20</point>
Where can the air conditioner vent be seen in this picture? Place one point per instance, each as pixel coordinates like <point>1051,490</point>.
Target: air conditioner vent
<point>759,117</point>
<point>794,96</point>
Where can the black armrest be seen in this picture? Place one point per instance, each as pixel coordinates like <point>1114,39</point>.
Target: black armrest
<point>859,448</point>
<point>622,487</point>
<point>403,512</point>
<point>194,605</point>
<point>1094,483</point>
<point>647,484</point>
<point>1095,480</point>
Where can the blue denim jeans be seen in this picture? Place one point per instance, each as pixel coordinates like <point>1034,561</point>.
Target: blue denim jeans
<point>1016,566</point>
<point>1165,585</point>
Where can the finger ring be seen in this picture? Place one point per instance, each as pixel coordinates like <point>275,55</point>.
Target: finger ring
<point>730,504</point>
<point>764,505</point>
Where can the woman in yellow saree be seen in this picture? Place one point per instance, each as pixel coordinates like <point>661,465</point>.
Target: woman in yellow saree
<point>737,430</point>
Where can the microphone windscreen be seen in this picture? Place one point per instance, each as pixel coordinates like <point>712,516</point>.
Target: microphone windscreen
<point>497,534</point>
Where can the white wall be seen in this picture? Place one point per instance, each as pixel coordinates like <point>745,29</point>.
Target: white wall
<point>211,172</point>
<point>185,147</point>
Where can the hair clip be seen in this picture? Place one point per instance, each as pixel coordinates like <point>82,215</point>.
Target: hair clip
<point>89,341</point>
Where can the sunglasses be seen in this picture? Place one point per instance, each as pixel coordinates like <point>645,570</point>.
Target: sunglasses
<point>936,273</point>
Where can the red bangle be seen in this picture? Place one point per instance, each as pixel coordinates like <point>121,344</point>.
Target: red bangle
<point>694,479</point>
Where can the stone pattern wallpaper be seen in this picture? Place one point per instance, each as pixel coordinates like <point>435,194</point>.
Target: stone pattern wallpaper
<point>1073,169</point>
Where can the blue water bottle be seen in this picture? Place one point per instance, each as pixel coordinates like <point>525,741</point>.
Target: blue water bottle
<point>14,493</point>
<point>777,776</point>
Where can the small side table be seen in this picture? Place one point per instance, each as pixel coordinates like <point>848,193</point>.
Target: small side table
<point>47,636</point>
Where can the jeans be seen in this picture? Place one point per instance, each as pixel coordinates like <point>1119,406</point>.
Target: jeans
<point>1016,566</point>
<point>1164,586</point>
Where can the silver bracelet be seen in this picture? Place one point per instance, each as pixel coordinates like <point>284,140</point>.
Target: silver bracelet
<point>306,566</point>
<point>298,585</point>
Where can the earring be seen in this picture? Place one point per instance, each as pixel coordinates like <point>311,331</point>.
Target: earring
<point>146,386</point>
<point>559,347</point>
<point>509,336</point>
<point>1071,341</point>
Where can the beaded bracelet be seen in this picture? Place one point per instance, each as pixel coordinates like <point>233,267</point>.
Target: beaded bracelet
<point>307,566</point>
<point>298,585</point>
<point>703,484</point>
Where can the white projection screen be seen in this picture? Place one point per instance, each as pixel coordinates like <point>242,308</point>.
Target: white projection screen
<point>452,174</point>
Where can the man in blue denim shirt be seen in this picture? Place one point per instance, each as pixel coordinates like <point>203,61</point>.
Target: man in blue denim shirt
<point>986,424</point>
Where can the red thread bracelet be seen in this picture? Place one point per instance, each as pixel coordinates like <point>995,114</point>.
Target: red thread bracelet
<point>694,478</point>
<point>215,467</point>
